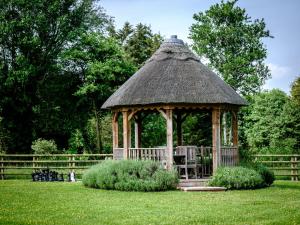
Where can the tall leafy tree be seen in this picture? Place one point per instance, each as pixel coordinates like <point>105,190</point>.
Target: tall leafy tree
<point>32,35</point>
<point>295,90</point>
<point>271,123</point>
<point>102,66</point>
<point>232,42</point>
<point>124,33</point>
<point>139,42</point>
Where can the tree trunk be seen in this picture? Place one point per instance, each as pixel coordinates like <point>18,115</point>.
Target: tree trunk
<point>98,129</point>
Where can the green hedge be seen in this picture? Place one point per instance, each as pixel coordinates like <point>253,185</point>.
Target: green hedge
<point>130,175</point>
<point>266,174</point>
<point>237,178</point>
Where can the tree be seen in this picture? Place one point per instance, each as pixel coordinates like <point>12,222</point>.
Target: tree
<point>232,42</point>
<point>271,123</point>
<point>124,33</point>
<point>102,66</point>
<point>32,35</point>
<point>295,90</point>
<point>139,42</point>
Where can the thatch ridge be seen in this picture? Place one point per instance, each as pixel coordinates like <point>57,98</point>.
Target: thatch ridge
<point>173,75</point>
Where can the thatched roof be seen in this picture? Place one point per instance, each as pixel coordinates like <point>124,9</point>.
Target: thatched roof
<point>173,75</point>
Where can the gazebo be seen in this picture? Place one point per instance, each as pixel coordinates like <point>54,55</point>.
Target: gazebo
<point>172,81</point>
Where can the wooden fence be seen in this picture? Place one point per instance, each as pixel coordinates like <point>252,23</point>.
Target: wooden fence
<point>282,165</point>
<point>23,165</point>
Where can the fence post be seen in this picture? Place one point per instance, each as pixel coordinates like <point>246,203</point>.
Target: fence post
<point>2,168</point>
<point>294,172</point>
<point>70,164</point>
<point>33,162</point>
<point>73,164</point>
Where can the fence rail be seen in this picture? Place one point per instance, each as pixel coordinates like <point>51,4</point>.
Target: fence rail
<point>12,165</point>
<point>282,165</point>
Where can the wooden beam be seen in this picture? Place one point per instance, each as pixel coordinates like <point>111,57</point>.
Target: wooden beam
<point>138,133</point>
<point>235,136</point>
<point>125,134</point>
<point>129,134</point>
<point>183,106</point>
<point>216,139</point>
<point>169,138</point>
<point>115,129</point>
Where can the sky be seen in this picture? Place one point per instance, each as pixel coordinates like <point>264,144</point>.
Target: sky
<point>176,16</point>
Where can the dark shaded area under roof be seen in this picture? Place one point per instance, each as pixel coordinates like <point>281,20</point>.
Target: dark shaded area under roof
<point>173,75</point>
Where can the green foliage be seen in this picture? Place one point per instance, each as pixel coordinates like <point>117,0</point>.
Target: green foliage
<point>129,175</point>
<point>42,146</point>
<point>105,131</point>
<point>237,178</point>
<point>266,174</point>
<point>154,131</point>
<point>139,42</point>
<point>3,138</point>
<point>76,142</point>
<point>104,66</point>
<point>197,129</point>
<point>270,124</point>
<point>232,42</point>
<point>36,96</point>
<point>295,90</point>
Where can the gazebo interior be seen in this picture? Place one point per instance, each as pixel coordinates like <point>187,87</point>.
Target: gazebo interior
<point>175,84</point>
<point>192,161</point>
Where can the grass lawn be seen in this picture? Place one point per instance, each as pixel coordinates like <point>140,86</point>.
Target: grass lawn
<point>25,202</point>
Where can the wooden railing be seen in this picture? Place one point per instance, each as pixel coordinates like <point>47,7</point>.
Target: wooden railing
<point>206,160</point>
<point>23,165</point>
<point>156,154</point>
<point>229,156</point>
<point>282,165</point>
<point>118,153</point>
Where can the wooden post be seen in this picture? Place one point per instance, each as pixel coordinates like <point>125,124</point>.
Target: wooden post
<point>115,130</point>
<point>169,138</point>
<point>70,163</point>
<point>33,162</point>
<point>235,138</point>
<point>224,129</point>
<point>137,131</point>
<point>179,128</point>
<point>2,168</point>
<point>216,139</point>
<point>129,134</point>
<point>125,134</point>
<point>294,171</point>
<point>73,160</point>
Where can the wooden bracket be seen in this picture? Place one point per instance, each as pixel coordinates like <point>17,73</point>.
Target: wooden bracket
<point>162,112</point>
<point>132,114</point>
